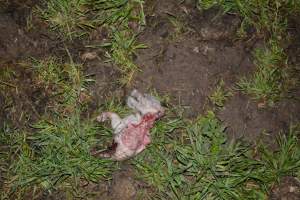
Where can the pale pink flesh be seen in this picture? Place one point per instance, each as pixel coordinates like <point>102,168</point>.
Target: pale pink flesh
<point>133,132</point>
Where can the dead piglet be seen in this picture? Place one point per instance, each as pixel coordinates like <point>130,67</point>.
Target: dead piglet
<point>132,133</point>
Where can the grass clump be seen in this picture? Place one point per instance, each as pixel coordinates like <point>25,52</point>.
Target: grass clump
<point>124,27</point>
<point>118,11</point>
<point>64,84</point>
<point>53,152</point>
<point>265,16</point>
<point>201,164</point>
<point>122,18</point>
<point>220,95</point>
<point>56,154</point>
<point>67,16</point>
<point>179,26</point>
<point>152,162</point>
<point>55,87</point>
<point>270,20</point>
<point>285,161</point>
<point>123,47</point>
<point>75,18</point>
<point>267,83</point>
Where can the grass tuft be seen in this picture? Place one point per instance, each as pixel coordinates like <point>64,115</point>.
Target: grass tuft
<point>285,161</point>
<point>265,16</point>
<point>270,20</point>
<point>201,164</point>
<point>56,153</point>
<point>68,17</point>
<point>267,83</point>
<point>220,95</point>
<point>123,48</point>
<point>124,19</point>
<point>64,83</point>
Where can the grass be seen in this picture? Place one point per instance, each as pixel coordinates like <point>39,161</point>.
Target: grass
<point>270,20</point>
<point>267,83</point>
<point>53,152</point>
<point>6,75</point>
<point>151,161</point>
<point>121,51</point>
<point>284,161</point>
<point>124,24</point>
<point>75,18</point>
<point>64,83</point>
<point>55,87</point>
<point>187,159</point>
<point>67,16</point>
<point>54,155</point>
<point>265,16</point>
<point>179,27</point>
<point>220,95</point>
<point>123,18</point>
<point>201,164</point>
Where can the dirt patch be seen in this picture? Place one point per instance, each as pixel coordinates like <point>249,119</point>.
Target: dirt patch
<point>23,36</point>
<point>23,101</point>
<point>188,66</point>
<point>17,39</point>
<point>246,120</point>
<point>105,85</point>
<point>123,186</point>
<point>287,189</point>
<point>243,115</point>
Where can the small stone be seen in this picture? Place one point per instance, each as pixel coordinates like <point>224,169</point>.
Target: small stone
<point>196,49</point>
<point>261,105</point>
<point>89,56</point>
<point>292,189</point>
<point>205,50</point>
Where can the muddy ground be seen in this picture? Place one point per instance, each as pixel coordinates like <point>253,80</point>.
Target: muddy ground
<point>184,60</point>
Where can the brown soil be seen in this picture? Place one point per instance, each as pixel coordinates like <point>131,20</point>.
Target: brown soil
<point>287,189</point>
<point>185,60</point>
<point>188,66</point>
